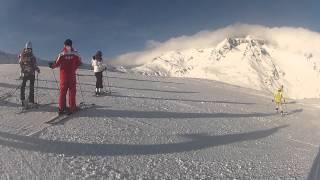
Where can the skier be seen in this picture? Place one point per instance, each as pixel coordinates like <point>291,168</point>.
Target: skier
<point>98,68</point>
<point>28,65</point>
<point>68,60</point>
<point>279,99</point>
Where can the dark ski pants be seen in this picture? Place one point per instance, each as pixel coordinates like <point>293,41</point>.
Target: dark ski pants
<point>31,78</point>
<point>99,82</point>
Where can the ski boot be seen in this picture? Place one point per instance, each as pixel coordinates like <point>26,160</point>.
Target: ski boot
<point>63,111</point>
<point>32,104</point>
<point>24,104</point>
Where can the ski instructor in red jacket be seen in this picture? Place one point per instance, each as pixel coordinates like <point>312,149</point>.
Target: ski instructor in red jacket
<point>68,61</point>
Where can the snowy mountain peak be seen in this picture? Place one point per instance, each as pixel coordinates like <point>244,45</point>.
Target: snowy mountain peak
<point>253,47</point>
<point>244,61</point>
<point>234,42</point>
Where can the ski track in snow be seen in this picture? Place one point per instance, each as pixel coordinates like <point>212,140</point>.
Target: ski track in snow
<point>157,128</point>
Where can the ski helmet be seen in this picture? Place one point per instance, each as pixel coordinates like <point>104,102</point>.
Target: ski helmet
<point>68,42</point>
<point>99,54</point>
<point>280,88</point>
<point>28,45</point>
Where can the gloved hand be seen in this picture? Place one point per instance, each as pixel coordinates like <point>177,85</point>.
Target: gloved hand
<point>21,75</point>
<point>50,65</point>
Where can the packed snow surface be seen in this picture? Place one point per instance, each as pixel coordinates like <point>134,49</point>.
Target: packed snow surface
<point>156,128</point>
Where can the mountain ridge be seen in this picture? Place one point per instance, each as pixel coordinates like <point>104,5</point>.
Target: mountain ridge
<point>244,61</point>
<point>8,58</point>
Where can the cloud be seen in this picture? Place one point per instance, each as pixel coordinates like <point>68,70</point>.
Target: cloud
<point>151,44</point>
<point>296,40</point>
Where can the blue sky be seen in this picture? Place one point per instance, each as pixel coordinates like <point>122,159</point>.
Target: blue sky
<point>120,26</point>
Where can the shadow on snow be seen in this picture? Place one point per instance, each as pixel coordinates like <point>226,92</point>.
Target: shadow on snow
<point>194,142</point>
<point>110,113</point>
<point>133,79</point>
<point>165,115</point>
<point>183,100</point>
<point>315,170</point>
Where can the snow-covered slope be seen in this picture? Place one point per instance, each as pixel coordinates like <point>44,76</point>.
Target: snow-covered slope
<point>258,61</point>
<point>156,128</point>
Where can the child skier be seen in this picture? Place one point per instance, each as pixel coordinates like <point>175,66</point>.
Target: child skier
<point>98,68</point>
<point>279,99</point>
<point>28,66</point>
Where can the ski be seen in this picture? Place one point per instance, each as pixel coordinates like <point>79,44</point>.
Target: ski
<point>9,94</point>
<point>27,107</point>
<point>60,118</point>
<point>284,114</point>
<point>6,95</point>
<point>105,93</point>
<point>57,118</point>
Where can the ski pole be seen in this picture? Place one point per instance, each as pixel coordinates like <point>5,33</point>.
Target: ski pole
<point>10,93</point>
<point>108,82</point>
<point>80,88</point>
<point>104,84</point>
<point>37,88</point>
<point>285,107</point>
<point>55,79</point>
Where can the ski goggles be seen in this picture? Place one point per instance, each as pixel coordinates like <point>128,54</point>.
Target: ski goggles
<point>28,50</point>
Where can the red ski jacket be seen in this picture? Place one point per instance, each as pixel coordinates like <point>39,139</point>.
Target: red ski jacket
<point>68,61</point>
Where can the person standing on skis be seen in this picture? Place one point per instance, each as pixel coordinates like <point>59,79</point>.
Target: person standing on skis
<point>28,65</point>
<point>98,68</point>
<point>68,60</point>
<point>279,99</point>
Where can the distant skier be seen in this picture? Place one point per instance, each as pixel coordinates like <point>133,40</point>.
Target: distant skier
<point>279,99</point>
<point>68,61</point>
<point>98,68</point>
<point>28,66</point>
